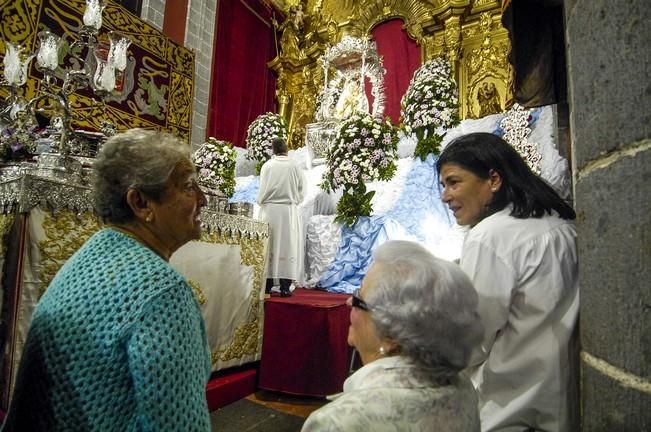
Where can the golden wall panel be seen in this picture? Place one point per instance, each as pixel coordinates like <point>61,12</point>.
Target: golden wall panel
<point>466,32</point>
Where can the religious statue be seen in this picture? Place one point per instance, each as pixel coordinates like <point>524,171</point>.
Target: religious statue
<point>489,99</point>
<point>291,32</point>
<point>352,99</point>
<point>297,17</point>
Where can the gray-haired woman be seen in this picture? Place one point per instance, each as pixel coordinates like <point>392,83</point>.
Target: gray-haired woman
<point>117,342</point>
<point>414,323</point>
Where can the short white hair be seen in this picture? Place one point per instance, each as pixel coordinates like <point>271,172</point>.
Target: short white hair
<point>428,306</point>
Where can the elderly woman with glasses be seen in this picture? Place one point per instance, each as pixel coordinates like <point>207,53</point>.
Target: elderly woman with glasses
<point>117,342</point>
<point>414,323</point>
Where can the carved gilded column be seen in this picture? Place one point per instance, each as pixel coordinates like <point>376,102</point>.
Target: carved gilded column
<point>453,40</point>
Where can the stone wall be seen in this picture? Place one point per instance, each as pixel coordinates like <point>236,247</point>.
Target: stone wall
<point>608,59</point>
<point>153,12</point>
<point>199,36</point>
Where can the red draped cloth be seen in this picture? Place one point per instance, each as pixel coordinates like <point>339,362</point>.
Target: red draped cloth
<point>242,86</point>
<point>304,344</point>
<point>401,59</point>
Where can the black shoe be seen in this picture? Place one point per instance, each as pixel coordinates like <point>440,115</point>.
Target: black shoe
<point>286,293</point>
<point>268,286</point>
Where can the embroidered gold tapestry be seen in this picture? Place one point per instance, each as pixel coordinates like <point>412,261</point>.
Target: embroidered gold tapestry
<point>154,92</point>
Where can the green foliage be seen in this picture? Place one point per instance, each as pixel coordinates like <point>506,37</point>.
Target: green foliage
<point>353,204</point>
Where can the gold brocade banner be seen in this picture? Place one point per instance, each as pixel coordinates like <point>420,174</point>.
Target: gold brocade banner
<point>154,92</point>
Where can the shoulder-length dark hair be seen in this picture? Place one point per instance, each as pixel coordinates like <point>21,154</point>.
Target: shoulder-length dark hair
<point>529,195</point>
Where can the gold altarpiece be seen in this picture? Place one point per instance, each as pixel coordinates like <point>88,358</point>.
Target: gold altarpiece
<point>468,33</point>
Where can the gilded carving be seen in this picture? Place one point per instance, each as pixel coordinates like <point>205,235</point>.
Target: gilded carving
<point>303,111</point>
<point>485,83</point>
<point>291,33</point>
<point>65,233</point>
<point>433,46</point>
<point>489,99</point>
<point>453,39</point>
<point>453,29</point>
<point>416,14</point>
<point>6,222</point>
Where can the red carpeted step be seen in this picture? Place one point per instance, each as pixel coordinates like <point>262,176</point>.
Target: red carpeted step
<point>230,387</point>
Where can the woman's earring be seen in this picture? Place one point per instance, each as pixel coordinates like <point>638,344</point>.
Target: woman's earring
<point>149,218</point>
<point>382,351</point>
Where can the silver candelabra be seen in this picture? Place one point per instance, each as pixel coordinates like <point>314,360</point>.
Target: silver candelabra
<point>97,71</point>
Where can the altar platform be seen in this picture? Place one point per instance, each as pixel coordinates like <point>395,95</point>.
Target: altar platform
<point>304,347</point>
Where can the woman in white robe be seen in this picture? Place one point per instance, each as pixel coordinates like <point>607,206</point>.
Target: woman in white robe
<point>520,253</point>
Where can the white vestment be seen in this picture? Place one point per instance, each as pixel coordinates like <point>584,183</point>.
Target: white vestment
<point>525,272</point>
<point>282,189</point>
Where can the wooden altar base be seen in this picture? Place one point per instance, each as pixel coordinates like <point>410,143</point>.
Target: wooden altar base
<point>304,344</point>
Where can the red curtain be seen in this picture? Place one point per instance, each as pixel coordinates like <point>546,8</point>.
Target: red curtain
<point>242,86</point>
<point>401,56</point>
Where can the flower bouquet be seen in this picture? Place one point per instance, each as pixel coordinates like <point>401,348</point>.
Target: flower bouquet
<point>215,162</point>
<point>259,135</point>
<point>429,105</point>
<point>18,139</point>
<point>365,149</point>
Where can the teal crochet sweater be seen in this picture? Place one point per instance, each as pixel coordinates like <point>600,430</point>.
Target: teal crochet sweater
<point>116,343</point>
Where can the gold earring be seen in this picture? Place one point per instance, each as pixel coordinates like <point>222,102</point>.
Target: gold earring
<point>149,218</point>
<point>382,351</point>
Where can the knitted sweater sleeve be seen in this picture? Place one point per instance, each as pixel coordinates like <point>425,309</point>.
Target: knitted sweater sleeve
<point>169,364</point>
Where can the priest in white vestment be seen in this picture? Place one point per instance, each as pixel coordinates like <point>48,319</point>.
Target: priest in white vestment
<point>282,189</point>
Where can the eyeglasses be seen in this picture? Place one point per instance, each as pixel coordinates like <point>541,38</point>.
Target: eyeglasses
<point>358,302</point>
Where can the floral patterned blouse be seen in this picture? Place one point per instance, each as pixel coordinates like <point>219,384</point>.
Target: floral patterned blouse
<point>394,394</point>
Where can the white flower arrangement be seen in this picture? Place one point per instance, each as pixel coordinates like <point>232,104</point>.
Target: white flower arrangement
<point>365,149</point>
<point>430,105</point>
<point>215,162</point>
<point>259,135</point>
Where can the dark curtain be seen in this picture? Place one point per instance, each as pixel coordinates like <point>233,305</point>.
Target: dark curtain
<point>537,50</point>
<point>242,86</point>
<point>401,56</point>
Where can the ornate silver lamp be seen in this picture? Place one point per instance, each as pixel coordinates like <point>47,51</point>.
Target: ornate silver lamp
<point>97,72</point>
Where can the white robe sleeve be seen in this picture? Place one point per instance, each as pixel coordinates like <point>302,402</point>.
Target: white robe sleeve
<point>495,282</point>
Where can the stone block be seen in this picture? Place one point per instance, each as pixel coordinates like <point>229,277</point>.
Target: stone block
<point>608,70</point>
<point>609,407</point>
<point>614,237</point>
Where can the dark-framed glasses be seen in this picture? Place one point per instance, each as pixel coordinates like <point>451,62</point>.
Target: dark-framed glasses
<point>358,303</point>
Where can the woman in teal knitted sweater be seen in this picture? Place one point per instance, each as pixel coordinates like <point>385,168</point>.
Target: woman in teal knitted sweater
<point>117,342</point>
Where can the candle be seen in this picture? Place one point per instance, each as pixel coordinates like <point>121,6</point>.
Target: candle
<point>48,52</point>
<point>16,63</point>
<point>104,78</point>
<point>118,50</point>
<point>93,14</point>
